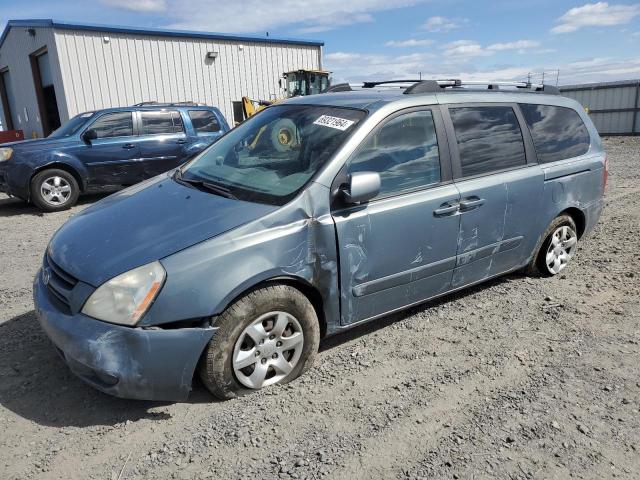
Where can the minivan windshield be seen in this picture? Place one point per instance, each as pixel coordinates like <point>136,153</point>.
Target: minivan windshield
<point>271,156</point>
<point>72,126</point>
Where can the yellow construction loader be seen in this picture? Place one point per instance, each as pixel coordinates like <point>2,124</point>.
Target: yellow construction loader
<point>294,83</point>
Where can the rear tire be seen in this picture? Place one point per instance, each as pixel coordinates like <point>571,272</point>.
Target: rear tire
<point>53,190</point>
<point>269,336</point>
<point>549,260</point>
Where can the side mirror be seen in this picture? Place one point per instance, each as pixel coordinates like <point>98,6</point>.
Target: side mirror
<point>89,135</point>
<point>363,186</point>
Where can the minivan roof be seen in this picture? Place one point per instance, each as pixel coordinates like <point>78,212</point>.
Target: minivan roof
<point>373,99</point>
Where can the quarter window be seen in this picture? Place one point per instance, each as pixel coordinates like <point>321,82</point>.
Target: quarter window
<point>204,121</point>
<point>161,123</point>
<point>404,152</point>
<point>118,124</point>
<point>489,139</point>
<point>558,132</point>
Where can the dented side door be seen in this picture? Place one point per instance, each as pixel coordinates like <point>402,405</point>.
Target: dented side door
<point>498,200</point>
<point>398,249</point>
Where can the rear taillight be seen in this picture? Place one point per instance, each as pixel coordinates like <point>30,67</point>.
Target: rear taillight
<point>605,173</point>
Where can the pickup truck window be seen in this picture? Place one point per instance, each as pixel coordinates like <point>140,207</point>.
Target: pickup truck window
<point>204,121</point>
<point>117,124</point>
<point>161,123</point>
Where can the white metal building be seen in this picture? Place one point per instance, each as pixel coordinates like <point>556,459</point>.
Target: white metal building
<point>51,71</point>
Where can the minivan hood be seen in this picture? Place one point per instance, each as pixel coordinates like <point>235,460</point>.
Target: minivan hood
<point>143,223</point>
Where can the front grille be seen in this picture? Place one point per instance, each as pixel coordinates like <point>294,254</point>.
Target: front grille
<point>59,283</point>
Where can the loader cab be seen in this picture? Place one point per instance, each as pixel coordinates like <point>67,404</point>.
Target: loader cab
<point>305,82</point>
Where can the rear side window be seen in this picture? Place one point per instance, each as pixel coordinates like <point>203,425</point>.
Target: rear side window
<point>404,152</point>
<point>558,132</point>
<point>161,123</point>
<point>204,121</point>
<point>489,139</point>
<point>118,124</point>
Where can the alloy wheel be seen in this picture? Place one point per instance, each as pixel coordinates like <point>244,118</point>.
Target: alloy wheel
<point>267,350</point>
<point>55,190</point>
<point>560,251</point>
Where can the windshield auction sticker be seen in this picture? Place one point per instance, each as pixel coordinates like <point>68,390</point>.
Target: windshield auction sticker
<point>333,122</point>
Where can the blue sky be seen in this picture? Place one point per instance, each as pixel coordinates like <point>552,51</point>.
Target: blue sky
<point>377,39</point>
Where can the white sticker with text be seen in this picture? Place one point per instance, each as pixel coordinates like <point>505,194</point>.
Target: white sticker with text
<point>334,122</point>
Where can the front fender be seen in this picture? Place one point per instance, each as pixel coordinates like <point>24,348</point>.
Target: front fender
<point>292,242</point>
<point>41,160</point>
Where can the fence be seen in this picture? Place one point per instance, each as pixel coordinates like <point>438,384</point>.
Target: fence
<point>614,107</point>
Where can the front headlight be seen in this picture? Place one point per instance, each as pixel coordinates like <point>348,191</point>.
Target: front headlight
<point>125,299</point>
<point>5,153</point>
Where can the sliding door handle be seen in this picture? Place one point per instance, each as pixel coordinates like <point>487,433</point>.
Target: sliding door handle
<point>470,203</point>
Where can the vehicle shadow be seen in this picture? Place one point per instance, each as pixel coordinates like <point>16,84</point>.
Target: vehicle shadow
<point>38,386</point>
<point>12,207</point>
<point>382,322</point>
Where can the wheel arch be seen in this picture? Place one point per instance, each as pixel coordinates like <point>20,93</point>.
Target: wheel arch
<point>61,166</point>
<point>578,217</point>
<point>299,283</point>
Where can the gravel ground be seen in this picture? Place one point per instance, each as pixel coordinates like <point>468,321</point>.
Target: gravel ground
<point>518,378</point>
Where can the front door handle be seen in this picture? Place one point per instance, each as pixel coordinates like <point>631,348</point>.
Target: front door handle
<point>182,140</point>
<point>446,209</point>
<point>128,146</point>
<point>470,203</point>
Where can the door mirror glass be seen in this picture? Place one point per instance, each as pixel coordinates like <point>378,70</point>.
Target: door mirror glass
<point>89,135</point>
<point>363,186</point>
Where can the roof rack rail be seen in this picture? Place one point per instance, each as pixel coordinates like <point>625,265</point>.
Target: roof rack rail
<point>434,86</point>
<point>339,87</point>
<point>154,103</point>
<point>386,82</point>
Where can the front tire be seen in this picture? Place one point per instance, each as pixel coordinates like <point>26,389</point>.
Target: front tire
<point>557,248</point>
<point>269,336</point>
<point>54,190</point>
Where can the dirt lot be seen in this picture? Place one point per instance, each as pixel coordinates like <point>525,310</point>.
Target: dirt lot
<point>518,378</point>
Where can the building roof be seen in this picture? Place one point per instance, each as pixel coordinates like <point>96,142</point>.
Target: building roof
<point>44,23</point>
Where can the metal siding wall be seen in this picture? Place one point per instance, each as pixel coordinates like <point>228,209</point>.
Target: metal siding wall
<point>136,68</point>
<point>14,54</point>
<point>611,97</point>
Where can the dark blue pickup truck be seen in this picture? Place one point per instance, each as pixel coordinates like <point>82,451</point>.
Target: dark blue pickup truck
<point>115,146</point>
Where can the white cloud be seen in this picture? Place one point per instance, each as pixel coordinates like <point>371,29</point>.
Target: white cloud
<point>443,24</point>
<point>518,45</point>
<point>259,16</point>
<point>335,21</point>
<point>465,49</point>
<point>138,5</point>
<point>599,14</point>
<point>412,42</point>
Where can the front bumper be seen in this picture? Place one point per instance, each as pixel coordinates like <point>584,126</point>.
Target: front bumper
<point>139,363</point>
<point>14,180</point>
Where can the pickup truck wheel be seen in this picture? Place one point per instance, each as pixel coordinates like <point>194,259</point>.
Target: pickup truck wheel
<point>269,336</point>
<point>557,248</point>
<point>54,190</point>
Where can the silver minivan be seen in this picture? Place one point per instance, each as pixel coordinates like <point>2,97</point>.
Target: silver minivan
<point>315,215</point>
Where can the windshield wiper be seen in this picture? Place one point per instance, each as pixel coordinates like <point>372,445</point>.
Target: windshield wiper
<point>205,185</point>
